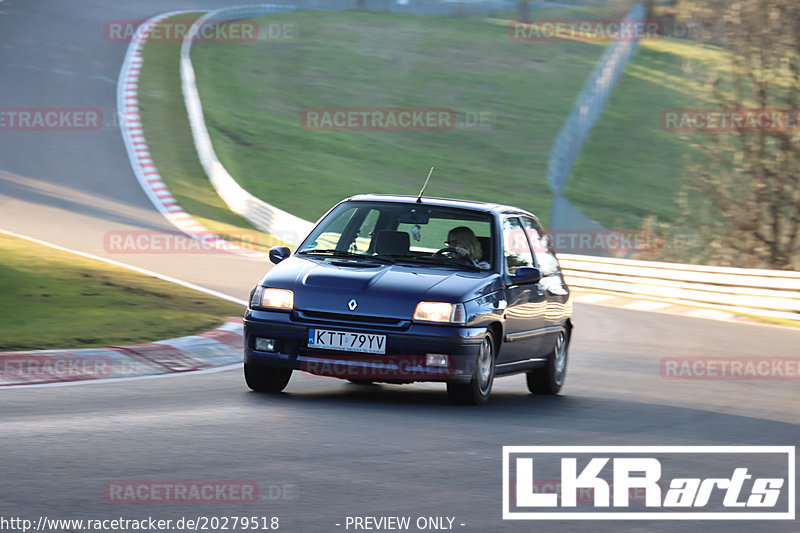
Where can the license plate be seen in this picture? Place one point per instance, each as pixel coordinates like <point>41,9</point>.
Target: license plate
<point>346,341</point>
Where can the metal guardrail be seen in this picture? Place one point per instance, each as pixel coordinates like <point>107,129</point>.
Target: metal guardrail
<point>589,105</point>
<point>770,293</point>
<point>585,112</point>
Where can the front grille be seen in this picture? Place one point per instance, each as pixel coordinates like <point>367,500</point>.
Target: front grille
<point>349,319</point>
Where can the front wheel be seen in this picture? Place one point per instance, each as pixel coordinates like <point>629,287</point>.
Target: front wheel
<point>477,391</point>
<point>550,378</point>
<point>262,379</point>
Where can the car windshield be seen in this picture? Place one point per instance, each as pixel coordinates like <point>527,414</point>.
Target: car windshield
<point>404,233</point>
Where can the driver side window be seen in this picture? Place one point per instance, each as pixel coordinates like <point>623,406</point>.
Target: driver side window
<point>516,250</point>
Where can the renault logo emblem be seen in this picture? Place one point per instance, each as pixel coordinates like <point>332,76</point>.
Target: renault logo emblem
<point>352,304</point>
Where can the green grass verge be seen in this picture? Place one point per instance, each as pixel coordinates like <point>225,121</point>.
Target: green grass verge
<point>253,95</point>
<point>53,299</point>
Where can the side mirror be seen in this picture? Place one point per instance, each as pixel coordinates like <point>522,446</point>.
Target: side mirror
<point>527,275</point>
<point>278,254</point>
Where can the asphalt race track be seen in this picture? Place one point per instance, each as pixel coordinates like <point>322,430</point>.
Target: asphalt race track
<point>325,449</point>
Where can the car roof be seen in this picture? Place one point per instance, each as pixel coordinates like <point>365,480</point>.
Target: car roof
<point>439,202</point>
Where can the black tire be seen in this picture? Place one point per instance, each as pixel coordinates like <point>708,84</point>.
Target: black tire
<point>477,391</point>
<point>550,378</point>
<point>262,379</point>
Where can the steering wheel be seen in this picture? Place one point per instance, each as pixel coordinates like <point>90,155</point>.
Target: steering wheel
<point>458,254</point>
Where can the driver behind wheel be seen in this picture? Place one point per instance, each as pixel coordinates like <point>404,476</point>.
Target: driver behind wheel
<point>465,243</point>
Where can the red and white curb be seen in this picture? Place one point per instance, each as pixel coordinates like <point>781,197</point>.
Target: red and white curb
<point>139,153</point>
<point>216,348</point>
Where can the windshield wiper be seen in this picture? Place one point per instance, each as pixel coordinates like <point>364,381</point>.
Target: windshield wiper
<point>341,253</point>
<point>448,261</point>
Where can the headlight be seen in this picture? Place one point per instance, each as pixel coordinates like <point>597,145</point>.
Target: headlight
<point>272,298</point>
<point>440,312</point>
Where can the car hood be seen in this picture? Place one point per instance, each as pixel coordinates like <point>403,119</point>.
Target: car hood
<point>388,290</point>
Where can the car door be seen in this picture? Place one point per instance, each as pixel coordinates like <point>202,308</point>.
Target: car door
<point>525,311</point>
<point>556,293</point>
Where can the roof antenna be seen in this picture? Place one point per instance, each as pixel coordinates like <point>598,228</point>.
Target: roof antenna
<point>419,198</point>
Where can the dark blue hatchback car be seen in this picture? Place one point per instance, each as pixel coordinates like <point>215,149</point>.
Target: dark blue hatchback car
<point>400,289</point>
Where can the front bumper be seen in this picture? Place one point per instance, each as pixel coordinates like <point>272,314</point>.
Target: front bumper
<point>403,362</point>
